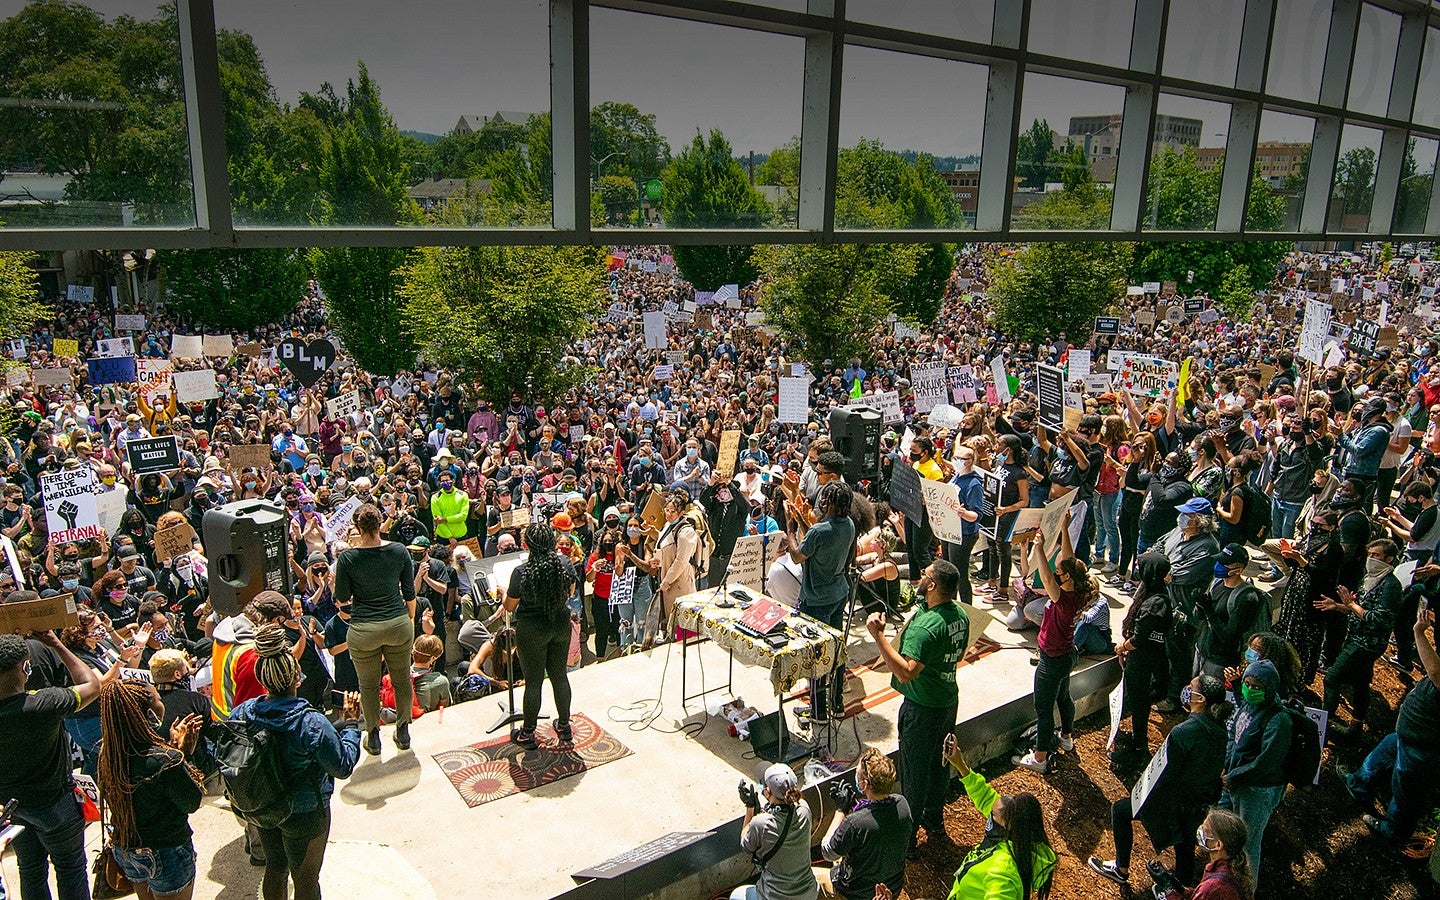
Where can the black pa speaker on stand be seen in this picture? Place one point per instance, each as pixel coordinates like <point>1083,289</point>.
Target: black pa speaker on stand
<point>855,432</point>
<point>247,544</point>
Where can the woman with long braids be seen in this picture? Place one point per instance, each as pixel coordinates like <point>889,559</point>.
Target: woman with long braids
<point>538,595</point>
<point>150,790</point>
<point>1014,859</point>
<point>316,753</point>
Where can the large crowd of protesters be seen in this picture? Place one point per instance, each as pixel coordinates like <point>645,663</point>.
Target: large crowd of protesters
<point>1273,522</point>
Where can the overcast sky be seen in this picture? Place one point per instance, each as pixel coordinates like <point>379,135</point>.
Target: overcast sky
<point>437,60</point>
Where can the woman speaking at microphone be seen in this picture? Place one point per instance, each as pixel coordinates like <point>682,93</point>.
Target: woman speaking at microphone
<point>538,595</point>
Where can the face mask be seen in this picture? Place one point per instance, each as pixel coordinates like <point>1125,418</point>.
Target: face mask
<point>1251,655</point>
<point>117,596</point>
<point>632,532</point>
<point>313,468</point>
<point>994,831</point>
<point>915,457</point>
<point>1202,840</point>
<point>1222,571</point>
<point>1185,696</point>
<point>1183,521</point>
<point>162,636</point>
<point>1229,423</point>
<point>1168,471</point>
<point>447,485</point>
<point>1334,384</point>
<point>250,485</point>
<point>1153,418</point>
<point>723,495</point>
<point>307,507</point>
<point>287,432</point>
<point>70,584</point>
<point>1253,696</point>
<point>692,452</point>
<point>1343,500</point>
<point>1375,568</point>
<point>346,448</point>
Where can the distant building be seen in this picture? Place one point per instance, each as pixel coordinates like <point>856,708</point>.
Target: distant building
<point>1277,160</point>
<point>434,193</point>
<point>964,183</point>
<point>1100,136</point>
<point>472,124</point>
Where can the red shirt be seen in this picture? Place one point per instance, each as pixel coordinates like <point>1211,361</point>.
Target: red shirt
<point>1057,627</point>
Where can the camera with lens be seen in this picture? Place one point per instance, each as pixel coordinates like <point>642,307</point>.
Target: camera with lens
<point>845,794</point>
<point>1165,880</point>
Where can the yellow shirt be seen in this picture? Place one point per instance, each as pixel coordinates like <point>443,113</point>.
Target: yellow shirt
<point>930,469</point>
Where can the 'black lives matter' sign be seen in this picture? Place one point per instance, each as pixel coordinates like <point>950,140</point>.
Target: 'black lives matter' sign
<point>145,455</point>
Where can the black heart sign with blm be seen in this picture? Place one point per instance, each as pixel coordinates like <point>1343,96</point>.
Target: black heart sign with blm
<point>307,362</point>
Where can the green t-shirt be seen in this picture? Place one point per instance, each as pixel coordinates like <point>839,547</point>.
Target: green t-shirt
<point>936,638</point>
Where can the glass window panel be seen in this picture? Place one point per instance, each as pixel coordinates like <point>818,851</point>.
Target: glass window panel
<point>698,79</point>
<point>463,93</point>
<point>1098,33</point>
<point>1203,40</point>
<point>970,20</point>
<point>1375,47</point>
<point>1354,184</point>
<point>1066,156</point>
<point>1186,162</point>
<point>1427,98</point>
<point>1297,48</point>
<point>909,105</point>
<point>1282,154</point>
<point>1417,179</point>
<point>92,131</point>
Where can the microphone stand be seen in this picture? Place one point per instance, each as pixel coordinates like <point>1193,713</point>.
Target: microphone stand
<point>511,716</point>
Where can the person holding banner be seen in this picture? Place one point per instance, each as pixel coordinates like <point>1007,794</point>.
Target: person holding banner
<point>1071,590</point>
<point>1185,789</point>
<point>1014,496</point>
<point>972,501</point>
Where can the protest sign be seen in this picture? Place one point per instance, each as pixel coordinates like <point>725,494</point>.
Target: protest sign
<point>654,330</point>
<point>1052,517</point>
<point>1001,380</point>
<point>70,513</point>
<point>755,318</point>
<point>747,562</point>
<point>343,406</point>
<point>1209,316</point>
<point>618,313</point>
<point>1314,331</point>
<point>889,405</point>
<point>1078,364</point>
<point>80,293</point>
<point>49,377</point>
<point>152,378</point>
<point>120,346</point>
<point>992,484</point>
<point>942,504</point>
<point>338,521</point>
<point>905,494</point>
<point>1096,383</point>
<point>992,396</point>
<point>186,346</point>
<point>675,357</point>
<point>653,513</point>
<point>1364,335</point>
<point>17,349</point>
<point>943,415</point>
<point>1117,712</point>
<point>1050,389</point>
<point>250,456</point>
<point>1107,324</point>
<point>905,331</point>
<point>12,560</point>
<point>66,347</point>
<point>1194,306</point>
<point>129,322</point>
<point>111,370</point>
<point>217,345</point>
<point>110,506</point>
<point>729,295</point>
<point>729,451</point>
<point>1149,376</point>
<point>927,380</point>
<point>1145,318</point>
<point>306,361</point>
<point>45,614</point>
<point>622,589</point>
<point>156,454</point>
<point>1151,777</point>
<point>173,540</point>
<point>962,383</point>
<point>1167,288</point>
<point>663,373</point>
<point>197,385</point>
<point>1151,287</point>
<point>1175,315</point>
<point>794,400</point>
<point>515,517</point>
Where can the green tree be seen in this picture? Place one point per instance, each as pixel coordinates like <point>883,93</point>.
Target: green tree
<point>1412,199</point>
<point>617,196</point>
<point>233,289</point>
<point>1049,288</point>
<point>628,137</point>
<point>1355,181</point>
<point>1296,178</point>
<point>832,300</point>
<point>1236,296</point>
<point>1084,207</point>
<point>1034,150</point>
<point>363,173</point>
<point>705,187</point>
<point>504,317</point>
<point>919,297</point>
<point>20,306</point>
<point>782,169</point>
<point>879,188</point>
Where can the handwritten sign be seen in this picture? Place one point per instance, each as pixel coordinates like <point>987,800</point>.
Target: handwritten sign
<point>66,347</point>
<point>49,377</point>
<point>174,540</point>
<point>962,383</point>
<point>194,386</point>
<point>794,400</point>
<point>186,346</point>
<point>729,451</point>
<point>111,370</point>
<point>1050,391</point>
<point>343,406</point>
<point>70,513</point>
<point>338,522</point>
<point>152,378</point>
<point>129,322</point>
<point>928,380</point>
<point>1149,376</point>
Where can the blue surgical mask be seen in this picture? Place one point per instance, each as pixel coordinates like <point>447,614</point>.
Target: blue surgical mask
<point>1183,521</point>
<point>1222,571</point>
<point>1251,655</point>
<point>70,584</point>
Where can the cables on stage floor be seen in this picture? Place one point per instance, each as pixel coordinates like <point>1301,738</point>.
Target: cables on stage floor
<point>643,714</point>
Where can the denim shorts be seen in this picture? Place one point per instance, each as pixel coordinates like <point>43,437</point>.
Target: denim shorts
<point>164,869</point>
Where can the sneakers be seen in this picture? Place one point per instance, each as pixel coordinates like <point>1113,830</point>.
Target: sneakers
<point>1028,761</point>
<point>372,742</point>
<point>1067,744</point>
<point>1106,869</point>
<point>1115,580</point>
<point>1110,568</point>
<point>564,732</point>
<point>402,736</point>
<point>1272,576</point>
<point>525,737</point>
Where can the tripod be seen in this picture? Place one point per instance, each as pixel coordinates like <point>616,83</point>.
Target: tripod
<point>511,716</point>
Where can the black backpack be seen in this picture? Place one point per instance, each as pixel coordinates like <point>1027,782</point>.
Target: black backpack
<point>1302,760</point>
<point>1255,521</point>
<point>252,763</point>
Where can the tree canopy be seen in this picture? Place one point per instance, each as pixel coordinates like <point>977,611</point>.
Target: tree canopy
<point>705,187</point>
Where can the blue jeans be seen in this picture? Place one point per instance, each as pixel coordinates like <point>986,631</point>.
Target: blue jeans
<point>1107,526</point>
<point>1409,773</point>
<point>1255,805</point>
<point>85,731</point>
<point>1283,517</point>
<point>164,869</point>
<point>54,833</point>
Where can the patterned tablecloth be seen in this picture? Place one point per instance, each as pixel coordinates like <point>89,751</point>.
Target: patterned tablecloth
<point>802,658</point>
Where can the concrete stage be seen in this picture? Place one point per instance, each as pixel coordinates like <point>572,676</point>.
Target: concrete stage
<point>400,827</point>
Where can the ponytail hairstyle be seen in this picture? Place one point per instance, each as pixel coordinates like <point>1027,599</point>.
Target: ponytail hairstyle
<point>1230,830</point>
<point>277,669</point>
<point>1216,706</point>
<point>127,732</point>
<point>1025,829</point>
<point>1080,577</point>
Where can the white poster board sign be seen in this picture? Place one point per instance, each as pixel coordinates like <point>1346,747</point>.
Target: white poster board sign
<point>928,382</point>
<point>197,385</point>
<point>794,400</point>
<point>655,330</point>
<point>942,503</point>
<point>70,513</point>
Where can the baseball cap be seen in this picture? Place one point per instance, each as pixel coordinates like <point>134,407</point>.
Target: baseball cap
<point>421,542</point>
<point>1196,505</point>
<point>1233,555</point>
<point>562,522</point>
<point>126,551</point>
<point>780,778</point>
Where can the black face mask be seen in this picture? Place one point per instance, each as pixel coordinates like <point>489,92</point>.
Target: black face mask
<point>1334,384</point>
<point>1168,471</point>
<point>1343,501</point>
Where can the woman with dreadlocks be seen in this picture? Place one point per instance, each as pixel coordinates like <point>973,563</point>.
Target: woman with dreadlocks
<point>315,755</point>
<point>537,595</point>
<point>150,790</point>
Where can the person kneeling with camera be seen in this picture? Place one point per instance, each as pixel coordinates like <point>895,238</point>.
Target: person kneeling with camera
<point>870,833</point>
<point>777,834</point>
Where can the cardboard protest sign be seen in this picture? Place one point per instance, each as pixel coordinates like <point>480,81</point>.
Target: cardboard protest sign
<point>111,370</point>
<point>156,454</point>
<point>249,456</point>
<point>655,338</point>
<point>49,377</point>
<point>515,517</point>
<point>129,322</point>
<point>338,522</point>
<point>729,451</point>
<point>1050,391</point>
<point>1052,518</point>
<point>905,331</point>
<point>675,357</point>
<point>1209,316</point>
<point>962,383</point>
<point>1001,380</point>
<point>905,493</point>
<point>343,406</point>
<point>1145,318</point>
<point>944,416</point>
<point>70,513</point>
<point>794,406</point>
<point>66,347</point>
<point>1149,376</point>
<point>152,378</point>
<point>653,514</point>
<point>45,614</point>
<point>942,504</point>
<point>197,385</point>
<point>173,540</point>
<point>218,345</point>
<point>186,346</point>
<point>308,362</point>
<point>927,380</point>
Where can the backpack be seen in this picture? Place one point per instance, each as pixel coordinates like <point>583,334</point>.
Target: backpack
<point>1302,760</point>
<point>1255,521</point>
<point>252,764</point>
